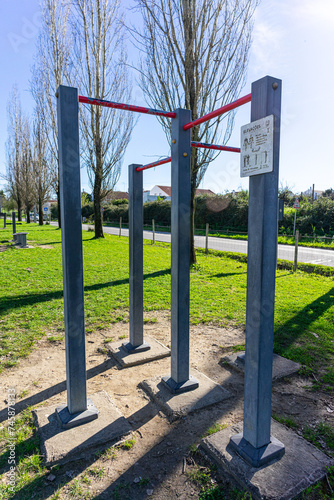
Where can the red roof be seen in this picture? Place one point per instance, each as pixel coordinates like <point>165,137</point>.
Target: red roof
<point>199,192</point>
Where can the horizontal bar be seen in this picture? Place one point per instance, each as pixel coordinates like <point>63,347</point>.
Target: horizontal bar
<point>125,107</point>
<point>154,164</point>
<point>194,145</point>
<point>220,111</point>
<point>214,146</point>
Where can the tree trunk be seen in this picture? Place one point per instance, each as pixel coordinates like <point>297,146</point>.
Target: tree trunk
<point>28,216</point>
<point>98,179</point>
<point>19,209</point>
<point>97,204</point>
<point>40,211</point>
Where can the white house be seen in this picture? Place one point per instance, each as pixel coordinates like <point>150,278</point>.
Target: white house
<point>165,192</point>
<point>317,193</point>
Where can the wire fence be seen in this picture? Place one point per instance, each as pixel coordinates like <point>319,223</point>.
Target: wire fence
<point>296,249</point>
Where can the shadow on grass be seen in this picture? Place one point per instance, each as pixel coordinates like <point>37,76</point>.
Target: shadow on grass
<point>291,330</point>
<point>16,301</point>
<point>224,275</point>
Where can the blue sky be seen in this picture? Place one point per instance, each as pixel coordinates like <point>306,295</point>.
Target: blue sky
<point>293,40</point>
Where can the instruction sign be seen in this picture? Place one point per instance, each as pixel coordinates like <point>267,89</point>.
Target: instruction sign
<point>257,147</point>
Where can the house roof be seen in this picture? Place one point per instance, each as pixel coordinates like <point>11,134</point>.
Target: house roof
<point>166,189</point>
<point>117,195</point>
<point>204,191</point>
<point>199,192</point>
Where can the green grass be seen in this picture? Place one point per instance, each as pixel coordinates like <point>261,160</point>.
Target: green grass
<point>128,444</point>
<point>215,428</point>
<point>31,297</point>
<point>320,435</point>
<point>288,421</point>
<point>30,471</point>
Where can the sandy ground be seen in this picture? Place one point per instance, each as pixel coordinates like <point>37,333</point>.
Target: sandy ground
<point>160,463</point>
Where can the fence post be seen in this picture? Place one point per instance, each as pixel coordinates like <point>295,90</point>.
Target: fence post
<point>153,230</point>
<point>207,238</point>
<point>136,343</point>
<point>120,227</point>
<point>78,410</point>
<point>180,380</point>
<point>255,444</point>
<point>295,263</point>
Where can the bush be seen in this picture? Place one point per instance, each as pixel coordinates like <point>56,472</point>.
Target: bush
<point>87,210</point>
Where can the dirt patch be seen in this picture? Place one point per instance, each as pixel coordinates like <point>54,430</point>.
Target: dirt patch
<point>160,464</point>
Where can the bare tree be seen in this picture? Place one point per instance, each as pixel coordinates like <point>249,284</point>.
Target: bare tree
<point>42,174</point>
<point>100,72</point>
<point>195,56</point>
<point>14,150</point>
<point>27,180</point>
<point>51,69</point>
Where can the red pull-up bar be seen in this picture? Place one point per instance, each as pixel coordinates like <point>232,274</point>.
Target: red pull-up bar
<point>168,114</point>
<point>125,107</point>
<point>220,111</point>
<point>154,164</point>
<point>194,145</point>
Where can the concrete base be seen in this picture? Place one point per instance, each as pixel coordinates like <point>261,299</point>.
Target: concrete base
<point>68,420</point>
<point>177,388</point>
<point>132,358</point>
<point>61,446</point>
<point>302,464</point>
<point>282,367</point>
<point>133,349</point>
<point>178,405</point>
<point>257,457</point>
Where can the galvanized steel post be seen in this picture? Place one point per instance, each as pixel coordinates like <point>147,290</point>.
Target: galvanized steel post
<point>255,444</point>
<point>78,410</point>
<point>136,343</point>
<point>180,380</point>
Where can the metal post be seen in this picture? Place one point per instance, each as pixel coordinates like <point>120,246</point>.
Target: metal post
<point>255,444</point>
<point>13,222</point>
<point>153,231</point>
<point>180,380</point>
<point>136,343</point>
<point>294,223</point>
<point>295,264</point>
<point>78,409</point>
<point>207,238</point>
<point>120,227</point>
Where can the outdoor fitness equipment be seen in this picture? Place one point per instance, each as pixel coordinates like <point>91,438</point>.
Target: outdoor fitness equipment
<point>255,444</point>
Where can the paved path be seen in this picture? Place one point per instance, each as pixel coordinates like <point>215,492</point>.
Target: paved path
<point>305,254</point>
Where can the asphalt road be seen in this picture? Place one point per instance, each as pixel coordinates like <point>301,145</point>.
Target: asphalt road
<point>305,254</point>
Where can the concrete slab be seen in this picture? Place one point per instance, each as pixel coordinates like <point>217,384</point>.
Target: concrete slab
<point>61,446</point>
<point>302,464</point>
<point>126,358</point>
<point>177,405</point>
<point>282,367</point>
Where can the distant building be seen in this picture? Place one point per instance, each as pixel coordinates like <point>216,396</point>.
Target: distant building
<point>165,192</point>
<point>317,193</point>
<point>116,195</point>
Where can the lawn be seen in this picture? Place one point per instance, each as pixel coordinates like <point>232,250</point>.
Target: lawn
<point>31,302</point>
